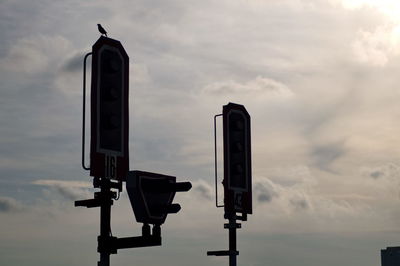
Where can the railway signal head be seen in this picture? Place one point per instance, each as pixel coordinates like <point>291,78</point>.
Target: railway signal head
<point>109,110</point>
<point>151,195</point>
<point>237,159</point>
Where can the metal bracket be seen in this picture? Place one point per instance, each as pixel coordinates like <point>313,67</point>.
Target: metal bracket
<point>243,217</point>
<point>99,199</point>
<point>215,162</point>
<point>235,225</point>
<point>84,112</point>
<point>89,203</point>
<point>111,244</point>
<point>137,242</point>
<point>223,253</point>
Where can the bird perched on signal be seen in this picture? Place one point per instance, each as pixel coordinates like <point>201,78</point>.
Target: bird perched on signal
<point>102,30</point>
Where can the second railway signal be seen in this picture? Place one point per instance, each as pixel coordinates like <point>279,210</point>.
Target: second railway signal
<point>237,159</point>
<point>237,173</point>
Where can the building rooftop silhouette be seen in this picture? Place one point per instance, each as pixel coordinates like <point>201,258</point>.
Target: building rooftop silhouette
<point>390,256</point>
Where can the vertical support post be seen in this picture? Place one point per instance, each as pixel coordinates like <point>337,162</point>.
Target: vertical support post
<point>84,112</point>
<point>237,173</point>
<point>232,241</point>
<point>215,161</point>
<point>105,222</point>
<point>232,251</point>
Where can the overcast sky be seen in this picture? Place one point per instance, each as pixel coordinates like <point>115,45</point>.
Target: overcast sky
<point>318,77</point>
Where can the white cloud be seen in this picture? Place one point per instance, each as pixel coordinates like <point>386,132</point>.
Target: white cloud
<point>71,190</point>
<point>64,183</point>
<point>390,8</point>
<point>203,189</point>
<point>264,190</point>
<point>139,74</point>
<point>258,87</point>
<point>378,46</point>
<point>35,54</point>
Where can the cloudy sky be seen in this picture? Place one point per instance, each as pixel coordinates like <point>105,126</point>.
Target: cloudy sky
<point>319,78</point>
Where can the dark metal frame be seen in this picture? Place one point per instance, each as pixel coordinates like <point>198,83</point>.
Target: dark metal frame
<point>215,162</point>
<point>84,111</point>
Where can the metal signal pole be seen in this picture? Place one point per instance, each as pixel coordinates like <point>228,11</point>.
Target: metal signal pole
<point>232,252</point>
<point>232,242</point>
<point>105,222</point>
<point>109,155</point>
<point>237,173</point>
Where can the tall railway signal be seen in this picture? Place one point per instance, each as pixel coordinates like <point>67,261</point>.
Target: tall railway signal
<point>109,153</point>
<point>237,173</point>
<point>151,194</point>
<point>237,159</point>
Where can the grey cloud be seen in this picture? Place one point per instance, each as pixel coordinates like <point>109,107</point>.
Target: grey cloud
<point>74,63</point>
<point>300,203</point>
<point>377,174</point>
<point>388,171</point>
<point>324,155</point>
<point>70,190</point>
<point>71,193</point>
<point>264,191</point>
<point>259,85</point>
<point>265,197</point>
<point>9,205</point>
<point>35,54</point>
<point>203,189</point>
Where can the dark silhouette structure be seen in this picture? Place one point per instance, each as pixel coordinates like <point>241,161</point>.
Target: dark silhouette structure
<point>390,256</point>
<point>109,138</point>
<point>102,30</point>
<point>237,174</point>
<point>151,194</point>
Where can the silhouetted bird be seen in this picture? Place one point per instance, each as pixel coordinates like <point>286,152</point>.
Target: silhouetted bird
<point>102,30</point>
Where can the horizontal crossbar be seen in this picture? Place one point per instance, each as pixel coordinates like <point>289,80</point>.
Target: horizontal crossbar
<point>222,253</point>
